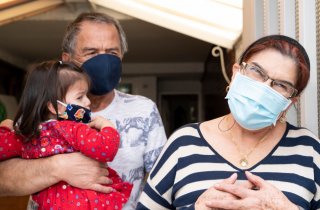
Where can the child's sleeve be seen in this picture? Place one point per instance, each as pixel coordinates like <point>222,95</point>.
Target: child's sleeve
<point>101,146</point>
<point>10,144</point>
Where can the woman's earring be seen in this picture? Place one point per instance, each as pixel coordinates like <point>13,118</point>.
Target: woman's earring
<point>283,118</point>
<point>227,88</point>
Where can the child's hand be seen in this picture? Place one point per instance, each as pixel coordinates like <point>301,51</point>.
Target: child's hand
<point>99,122</point>
<point>7,123</point>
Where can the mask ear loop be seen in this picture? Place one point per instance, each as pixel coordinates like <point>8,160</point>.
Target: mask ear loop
<point>63,104</point>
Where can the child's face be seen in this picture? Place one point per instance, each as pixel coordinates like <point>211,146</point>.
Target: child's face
<point>77,94</point>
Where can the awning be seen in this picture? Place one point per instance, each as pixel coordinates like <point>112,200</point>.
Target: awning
<point>215,21</point>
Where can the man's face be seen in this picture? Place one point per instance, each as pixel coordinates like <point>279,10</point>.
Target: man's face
<point>94,39</point>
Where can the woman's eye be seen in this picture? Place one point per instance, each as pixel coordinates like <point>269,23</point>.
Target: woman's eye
<point>281,85</point>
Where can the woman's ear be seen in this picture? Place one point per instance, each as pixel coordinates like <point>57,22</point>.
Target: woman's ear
<point>235,69</point>
<point>294,101</point>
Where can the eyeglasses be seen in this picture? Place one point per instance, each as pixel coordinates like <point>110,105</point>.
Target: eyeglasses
<point>258,74</point>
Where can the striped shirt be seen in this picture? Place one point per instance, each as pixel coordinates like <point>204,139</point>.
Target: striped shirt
<point>188,165</point>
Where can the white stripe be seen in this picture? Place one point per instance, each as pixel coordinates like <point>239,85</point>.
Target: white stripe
<point>301,132</point>
<point>293,188</point>
<point>194,186</point>
<point>171,162</point>
<point>317,195</point>
<point>295,150</point>
<point>306,172</point>
<point>186,131</point>
<point>316,159</point>
<point>202,167</point>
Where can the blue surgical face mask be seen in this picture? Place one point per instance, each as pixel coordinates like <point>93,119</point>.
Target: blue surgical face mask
<point>253,104</point>
<point>104,71</point>
<point>75,113</point>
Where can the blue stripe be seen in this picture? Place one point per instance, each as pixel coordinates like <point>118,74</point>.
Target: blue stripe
<point>297,200</point>
<point>155,197</point>
<point>140,206</point>
<point>315,204</point>
<point>187,199</point>
<point>306,161</point>
<point>167,182</point>
<point>176,144</point>
<point>199,158</point>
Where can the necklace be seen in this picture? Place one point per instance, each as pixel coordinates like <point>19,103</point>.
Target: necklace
<point>225,130</point>
<point>244,156</point>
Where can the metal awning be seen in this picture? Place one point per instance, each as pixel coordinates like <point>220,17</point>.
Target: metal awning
<point>215,21</point>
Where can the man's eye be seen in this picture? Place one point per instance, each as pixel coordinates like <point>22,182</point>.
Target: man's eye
<point>114,53</point>
<point>91,53</point>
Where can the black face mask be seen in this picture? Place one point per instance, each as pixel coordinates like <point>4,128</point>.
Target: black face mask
<point>75,113</point>
<point>104,71</point>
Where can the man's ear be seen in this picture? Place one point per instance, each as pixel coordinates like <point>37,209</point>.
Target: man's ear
<point>66,57</point>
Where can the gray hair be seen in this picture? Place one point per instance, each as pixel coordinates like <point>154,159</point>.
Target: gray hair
<point>73,29</point>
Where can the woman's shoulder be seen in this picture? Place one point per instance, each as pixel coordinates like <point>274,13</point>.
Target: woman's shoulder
<point>297,132</point>
<point>189,131</point>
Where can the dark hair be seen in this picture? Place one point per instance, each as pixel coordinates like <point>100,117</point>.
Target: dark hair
<point>46,82</point>
<point>73,29</point>
<point>288,47</point>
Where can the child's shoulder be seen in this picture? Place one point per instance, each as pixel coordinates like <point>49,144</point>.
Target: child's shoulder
<point>53,124</point>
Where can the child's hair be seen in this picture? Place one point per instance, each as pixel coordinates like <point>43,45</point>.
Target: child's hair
<point>46,83</point>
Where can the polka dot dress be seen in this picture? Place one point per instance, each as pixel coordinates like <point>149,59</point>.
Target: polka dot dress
<point>58,137</point>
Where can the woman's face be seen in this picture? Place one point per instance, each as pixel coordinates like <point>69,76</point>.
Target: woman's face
<point>277,66</point>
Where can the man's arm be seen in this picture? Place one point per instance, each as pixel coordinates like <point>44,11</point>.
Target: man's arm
<point>24,177</point>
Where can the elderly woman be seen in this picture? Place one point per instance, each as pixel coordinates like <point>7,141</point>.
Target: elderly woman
<point>251,158</point>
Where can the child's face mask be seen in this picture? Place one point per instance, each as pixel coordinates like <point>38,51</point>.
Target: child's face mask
<point>75,113</point>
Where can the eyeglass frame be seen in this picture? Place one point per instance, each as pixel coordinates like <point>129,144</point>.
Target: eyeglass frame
<point>266,77</point>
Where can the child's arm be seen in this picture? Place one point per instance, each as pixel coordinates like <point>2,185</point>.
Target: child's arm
<point>100,145</point>
<point>10,143</point>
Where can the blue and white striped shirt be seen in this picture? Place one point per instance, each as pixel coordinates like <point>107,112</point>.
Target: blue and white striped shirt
<point>188,165</point>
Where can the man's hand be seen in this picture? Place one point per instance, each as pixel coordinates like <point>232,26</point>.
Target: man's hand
<point>82,172</point>
<point>7,123</point>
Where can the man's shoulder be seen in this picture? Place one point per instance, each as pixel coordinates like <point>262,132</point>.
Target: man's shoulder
<point>130,99</point>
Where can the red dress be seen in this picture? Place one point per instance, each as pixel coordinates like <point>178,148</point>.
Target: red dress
<point>57,137</point>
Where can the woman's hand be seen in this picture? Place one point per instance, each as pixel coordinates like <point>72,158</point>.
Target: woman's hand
<point>99,122</point>
<point>214,194</point>
<point>264,197</point>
